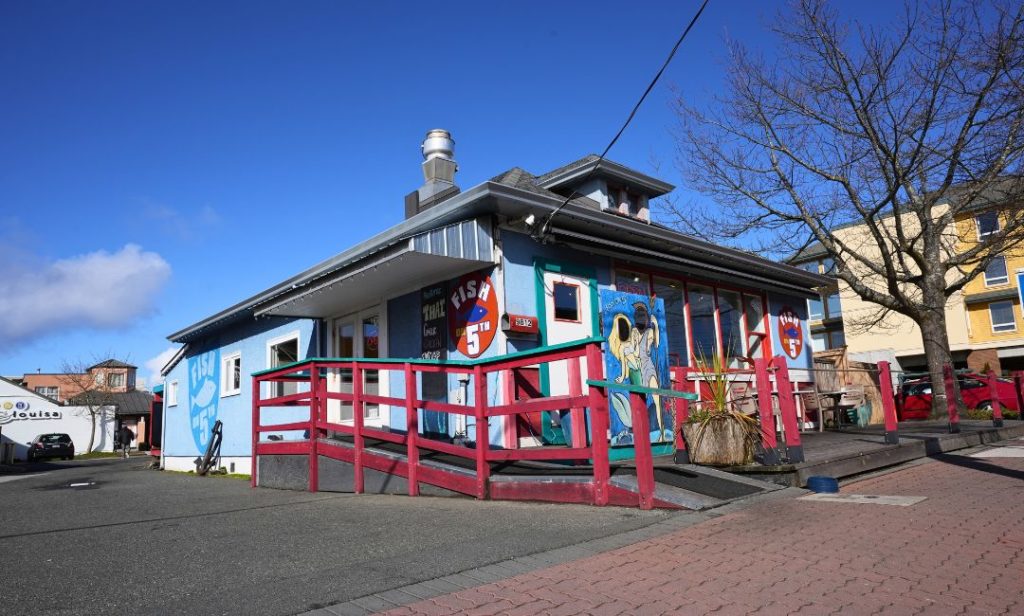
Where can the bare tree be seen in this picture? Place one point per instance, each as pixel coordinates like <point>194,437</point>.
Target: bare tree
<point>83,389</point>
<point>872,143</point>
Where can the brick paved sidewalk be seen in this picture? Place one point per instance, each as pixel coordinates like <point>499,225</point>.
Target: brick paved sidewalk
<point>961,551</point>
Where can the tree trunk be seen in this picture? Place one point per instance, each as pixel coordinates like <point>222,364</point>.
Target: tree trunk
<point>92,435</point>
<point>937,355</point>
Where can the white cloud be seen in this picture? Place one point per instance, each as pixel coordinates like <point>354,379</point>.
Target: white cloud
<point>154,364</point>
<point>99,290</point>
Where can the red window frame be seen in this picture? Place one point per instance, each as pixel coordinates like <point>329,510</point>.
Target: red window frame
<point>766,338</point>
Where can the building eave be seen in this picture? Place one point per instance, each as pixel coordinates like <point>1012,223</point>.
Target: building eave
<point>652,186</point>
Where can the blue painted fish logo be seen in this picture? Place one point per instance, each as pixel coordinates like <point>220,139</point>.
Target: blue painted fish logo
<point>203,389</point>
<point>477,313</point>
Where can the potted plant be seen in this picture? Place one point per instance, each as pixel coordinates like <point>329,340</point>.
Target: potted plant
<point>717,432</point>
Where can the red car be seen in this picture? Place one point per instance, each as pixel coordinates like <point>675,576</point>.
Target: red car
<point>916,395</point>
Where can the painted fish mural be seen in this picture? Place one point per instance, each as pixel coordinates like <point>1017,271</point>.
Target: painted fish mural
<point>203,390</point>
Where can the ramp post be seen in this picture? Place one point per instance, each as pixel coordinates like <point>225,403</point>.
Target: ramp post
<point>483,471</point>
<point>787,407</point>
<point>682,406</point>
<point>888,403</point>
<point>314,432</point>
<point>579,421</point>
<point>764,411</point>
<point>412,432</point>
<point>255,429</point>
<point>642,449</point>
<point>598,424</point>
<point>997,406</point>
<point>357,425</point>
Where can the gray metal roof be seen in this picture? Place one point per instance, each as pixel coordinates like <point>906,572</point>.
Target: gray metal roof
<point>516,193</point>
<point>577,169</point>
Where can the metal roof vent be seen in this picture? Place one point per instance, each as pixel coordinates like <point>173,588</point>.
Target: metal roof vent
<point>439,142</point>
<point>438,173</point>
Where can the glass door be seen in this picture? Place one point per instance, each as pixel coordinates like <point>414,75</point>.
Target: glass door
<point>356,336</point>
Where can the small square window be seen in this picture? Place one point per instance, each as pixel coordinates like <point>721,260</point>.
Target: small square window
<point>567,302</point>
<point>115,379</point>
<point>231,375</point>
<point>1002,317</point>
<point>995,273</point>
<point>988,223</point>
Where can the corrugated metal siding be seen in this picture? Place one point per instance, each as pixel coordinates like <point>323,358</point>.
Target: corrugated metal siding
<point>468,239</point>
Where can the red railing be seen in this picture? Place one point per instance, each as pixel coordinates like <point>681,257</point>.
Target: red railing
<point>759,379</point>
<point>582,393</point>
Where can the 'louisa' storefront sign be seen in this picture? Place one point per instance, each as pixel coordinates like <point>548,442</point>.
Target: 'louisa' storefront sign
<point>11,411</point>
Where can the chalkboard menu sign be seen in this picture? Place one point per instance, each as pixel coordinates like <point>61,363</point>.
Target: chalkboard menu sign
<point>435,332</point>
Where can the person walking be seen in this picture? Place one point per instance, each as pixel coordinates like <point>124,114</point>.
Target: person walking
<point>125,435</point>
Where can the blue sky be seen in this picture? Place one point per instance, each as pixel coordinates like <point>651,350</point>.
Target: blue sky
<point>160,161</point>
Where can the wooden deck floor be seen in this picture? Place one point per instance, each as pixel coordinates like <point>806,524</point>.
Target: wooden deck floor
<point>852,450</point>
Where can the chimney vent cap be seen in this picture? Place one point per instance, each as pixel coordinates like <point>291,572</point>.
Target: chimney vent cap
<point>438,144</point>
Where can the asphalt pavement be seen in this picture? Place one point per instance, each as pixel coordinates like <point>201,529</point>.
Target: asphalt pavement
<point>111,536</point>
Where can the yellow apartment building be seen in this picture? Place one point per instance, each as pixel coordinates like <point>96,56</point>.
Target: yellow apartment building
<point>984,321</point>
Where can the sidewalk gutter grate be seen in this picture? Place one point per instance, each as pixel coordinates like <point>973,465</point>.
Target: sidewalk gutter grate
<point>865,499</point>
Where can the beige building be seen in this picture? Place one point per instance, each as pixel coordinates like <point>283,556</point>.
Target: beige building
<point>984,322</point>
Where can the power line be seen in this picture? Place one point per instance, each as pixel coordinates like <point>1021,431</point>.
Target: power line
<point>543,230</point>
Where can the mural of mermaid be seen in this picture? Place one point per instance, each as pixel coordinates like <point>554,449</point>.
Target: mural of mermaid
<point>637,354</point>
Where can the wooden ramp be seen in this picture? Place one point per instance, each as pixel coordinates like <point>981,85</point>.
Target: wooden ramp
<point>385,471</point>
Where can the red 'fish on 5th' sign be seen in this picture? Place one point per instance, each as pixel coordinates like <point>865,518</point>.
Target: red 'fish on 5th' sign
<point>791,334</point>
<point>473,314</point>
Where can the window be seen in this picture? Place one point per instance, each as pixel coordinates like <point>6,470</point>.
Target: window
<point>281,353</point>
<point>567,302</point>
<point>995,273</point>
<point>231,375</point>
<point>838,339</point>
<point>988,223</point>
<point>815,310</point>
<point>1002,317</point>
<point>811,267</point>
<point>675,320</point>
<point>115,379</point>
<point>819,342</point>
<point>172,393</point>
<point>754,316</point>
<point>834,306</point>
<point>702,323</point>
<point>729,312</point>
<point>632,282</point>
<point>49,391</point>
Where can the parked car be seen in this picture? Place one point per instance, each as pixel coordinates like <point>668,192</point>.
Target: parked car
<point>51,446</point>
<point>915,401</point>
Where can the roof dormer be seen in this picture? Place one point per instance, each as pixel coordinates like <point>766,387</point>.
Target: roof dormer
<point>617,188</point>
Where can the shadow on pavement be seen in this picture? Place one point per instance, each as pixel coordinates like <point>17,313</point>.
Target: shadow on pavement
<point>977,465</point>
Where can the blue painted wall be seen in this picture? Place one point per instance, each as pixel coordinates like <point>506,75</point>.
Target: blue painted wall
<point>200,400</point>
<point>520,292</point>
